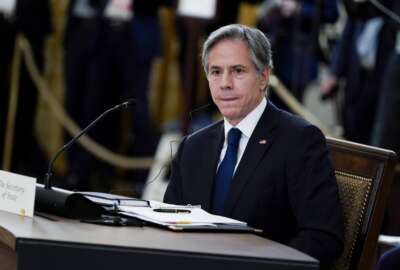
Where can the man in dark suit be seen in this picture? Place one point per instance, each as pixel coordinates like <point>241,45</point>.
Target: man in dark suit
<point>283,181</point>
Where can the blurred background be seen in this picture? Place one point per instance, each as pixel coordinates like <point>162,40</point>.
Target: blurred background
<point>63,63</point>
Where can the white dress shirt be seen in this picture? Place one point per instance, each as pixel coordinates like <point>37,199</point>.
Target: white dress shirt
<point>246,126</point>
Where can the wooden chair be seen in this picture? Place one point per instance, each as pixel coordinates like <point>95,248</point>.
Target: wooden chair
<point>364,174</point>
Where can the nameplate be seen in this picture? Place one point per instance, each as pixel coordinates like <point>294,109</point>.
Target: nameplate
<point>17,193</point>
<point>204,9</point>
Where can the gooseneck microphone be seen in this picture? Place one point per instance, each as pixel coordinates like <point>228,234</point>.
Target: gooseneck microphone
<point>55,200</point>
<point>49,173</point>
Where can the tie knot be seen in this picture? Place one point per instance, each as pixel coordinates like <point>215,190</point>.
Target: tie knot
<point>234,136</point>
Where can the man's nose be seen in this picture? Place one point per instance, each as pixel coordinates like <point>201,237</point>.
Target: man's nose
<point>226,81</point>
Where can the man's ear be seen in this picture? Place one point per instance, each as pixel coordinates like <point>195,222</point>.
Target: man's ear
<point>264,78</point>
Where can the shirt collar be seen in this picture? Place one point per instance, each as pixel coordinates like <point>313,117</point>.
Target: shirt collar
<point>248,124</point>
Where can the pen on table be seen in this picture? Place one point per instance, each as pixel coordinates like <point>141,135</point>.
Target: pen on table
<point>180,222</point>
<point>172,210</point>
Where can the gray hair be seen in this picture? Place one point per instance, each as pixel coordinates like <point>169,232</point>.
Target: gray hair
<point>258,44</point>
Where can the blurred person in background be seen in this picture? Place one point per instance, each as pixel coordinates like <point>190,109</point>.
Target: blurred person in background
<point>360,60</point>
<point>110,46</point>
<point>32,19</point>
<point>386,132</point>
<point>293,27</point>
<point>79,43</point>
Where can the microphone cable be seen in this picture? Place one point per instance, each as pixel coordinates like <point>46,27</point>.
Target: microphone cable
<point>385,10</point>
<point>171,142</point>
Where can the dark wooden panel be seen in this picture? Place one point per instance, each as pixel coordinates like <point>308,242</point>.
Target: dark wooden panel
<point>392,218</point>
<point>359,165</point>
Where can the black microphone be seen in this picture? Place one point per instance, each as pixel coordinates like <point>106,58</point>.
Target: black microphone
<point>49,174</point>
<point>53,200</point>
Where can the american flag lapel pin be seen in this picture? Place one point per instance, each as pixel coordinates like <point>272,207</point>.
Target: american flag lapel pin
<point>262,142</point>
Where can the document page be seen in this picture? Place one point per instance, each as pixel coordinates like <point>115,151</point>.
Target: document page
<point>168,214</point>
<point>389,240</point>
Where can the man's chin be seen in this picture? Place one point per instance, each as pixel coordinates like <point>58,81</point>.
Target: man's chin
<point>230,115</point>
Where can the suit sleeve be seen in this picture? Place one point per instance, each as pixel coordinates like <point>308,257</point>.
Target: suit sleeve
<point>173,194</point>
<point>314,197</point>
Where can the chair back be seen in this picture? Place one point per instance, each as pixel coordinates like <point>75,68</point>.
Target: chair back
<point>364,175</point>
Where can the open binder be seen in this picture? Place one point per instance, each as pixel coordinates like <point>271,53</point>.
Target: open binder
<point>184,218</point>
<point>110,209</point>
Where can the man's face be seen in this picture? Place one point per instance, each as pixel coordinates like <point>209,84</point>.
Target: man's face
<point>235,86</point>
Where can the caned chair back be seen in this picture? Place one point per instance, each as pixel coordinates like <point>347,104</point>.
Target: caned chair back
<point>364,174</point>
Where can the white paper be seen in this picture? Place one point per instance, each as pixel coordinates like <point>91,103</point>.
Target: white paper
<point>17,193</point>
<point>389,240</point>
<point>196,217</point>
<point>204,9</point>
<point>7,6</point>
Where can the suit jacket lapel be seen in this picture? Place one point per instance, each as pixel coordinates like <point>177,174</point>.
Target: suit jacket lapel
<point>207,174</point>
<point>258,145</point>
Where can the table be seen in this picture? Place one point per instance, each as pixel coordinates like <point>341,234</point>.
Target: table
<point>59,243</point>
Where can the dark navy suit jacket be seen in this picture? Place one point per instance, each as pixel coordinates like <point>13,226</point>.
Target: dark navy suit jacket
<point>286,186</point>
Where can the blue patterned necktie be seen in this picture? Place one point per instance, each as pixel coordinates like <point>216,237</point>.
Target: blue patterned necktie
<point>225,171</point>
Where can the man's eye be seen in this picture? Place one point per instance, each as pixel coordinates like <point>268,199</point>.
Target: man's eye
<point>239,70</point>
<point>215,72</point>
